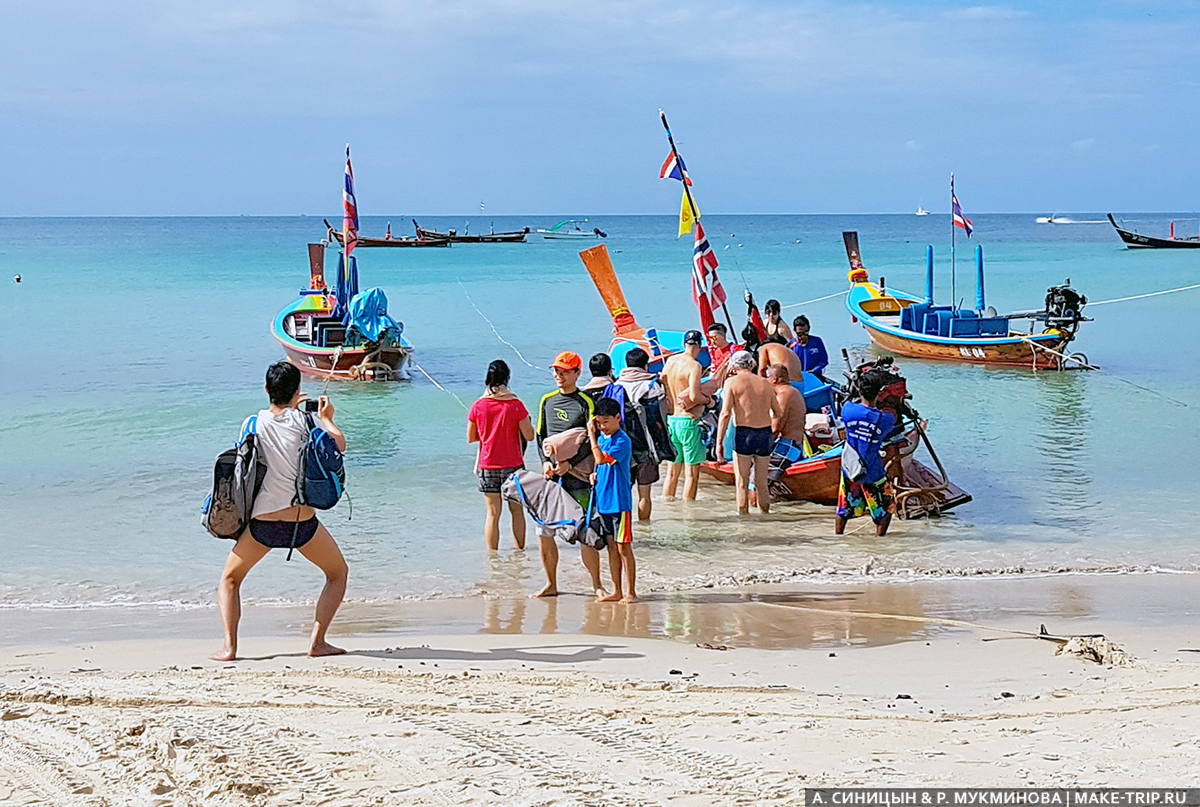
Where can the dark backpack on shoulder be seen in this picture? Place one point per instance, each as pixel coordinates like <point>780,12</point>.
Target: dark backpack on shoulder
<point>237,477</point>
<point>322,476</point>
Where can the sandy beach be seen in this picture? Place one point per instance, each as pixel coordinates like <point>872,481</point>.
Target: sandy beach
<point>593,711</point>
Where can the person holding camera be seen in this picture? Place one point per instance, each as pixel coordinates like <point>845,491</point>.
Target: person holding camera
<point>275,521</point>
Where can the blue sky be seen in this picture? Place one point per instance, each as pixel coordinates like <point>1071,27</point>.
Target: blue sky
<point>549,106</point>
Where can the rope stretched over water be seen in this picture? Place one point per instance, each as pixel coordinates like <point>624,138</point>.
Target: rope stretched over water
<point>502,340</point>
<point>433,381</point>
<point>816,299</point>
<point>1148,294</point>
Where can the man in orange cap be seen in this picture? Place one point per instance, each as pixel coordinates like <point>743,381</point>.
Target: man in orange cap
<point>563,408</point>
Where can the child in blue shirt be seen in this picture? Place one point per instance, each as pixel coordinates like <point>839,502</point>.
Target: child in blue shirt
<point>613,451</point>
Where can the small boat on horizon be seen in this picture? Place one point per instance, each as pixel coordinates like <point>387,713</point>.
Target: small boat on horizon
<point>335,236</point>
<point>570,229</point>
<point>342,334</point>
<point>908,325</point>
<point>921,211</point>
<point>454,237</point>
<point>1135,240</point>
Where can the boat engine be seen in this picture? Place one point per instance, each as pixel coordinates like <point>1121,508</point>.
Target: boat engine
<point>894,397</point>
<point>1064,308</point>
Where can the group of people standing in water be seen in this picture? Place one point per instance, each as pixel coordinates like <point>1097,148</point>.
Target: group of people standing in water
<point>637,419</point>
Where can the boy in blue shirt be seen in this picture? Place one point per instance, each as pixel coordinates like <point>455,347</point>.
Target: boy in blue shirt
<point>868,492</point>
<point>613,451</point>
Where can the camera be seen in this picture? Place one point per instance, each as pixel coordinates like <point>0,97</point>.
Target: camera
<point>311,405</point>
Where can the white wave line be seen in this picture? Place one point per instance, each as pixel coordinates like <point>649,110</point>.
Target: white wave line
<point>433,381</point>
<point>816,299</point>
<point>1148,294</point>
<point>502,340</point>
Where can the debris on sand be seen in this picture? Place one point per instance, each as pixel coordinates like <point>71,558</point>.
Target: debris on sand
<point>1097,649</point>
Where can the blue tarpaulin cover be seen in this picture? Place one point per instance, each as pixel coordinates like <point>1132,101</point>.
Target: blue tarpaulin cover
<point>368,314</point>
<point>346,287</point>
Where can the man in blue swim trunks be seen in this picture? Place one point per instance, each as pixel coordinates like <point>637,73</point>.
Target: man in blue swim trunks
<point>749,400</point>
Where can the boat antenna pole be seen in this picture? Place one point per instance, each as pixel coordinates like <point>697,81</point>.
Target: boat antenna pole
<point>953,288</point>
<point>687,192</point>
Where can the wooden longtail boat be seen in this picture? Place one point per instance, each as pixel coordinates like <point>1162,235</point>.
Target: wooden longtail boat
<point>814,479</point>
<point>313,335</point>
<point>513,237</point>
<point>908,325</point>
<point>335,236</point>
<point>1137,241</point>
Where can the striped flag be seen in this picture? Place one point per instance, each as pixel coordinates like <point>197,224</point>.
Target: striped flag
<point>959,219</point>
<point>707,292</point>
<point>673,168</point>
<point>349,209</point>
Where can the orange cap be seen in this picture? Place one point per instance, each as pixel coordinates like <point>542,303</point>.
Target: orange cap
<point>567,361</point>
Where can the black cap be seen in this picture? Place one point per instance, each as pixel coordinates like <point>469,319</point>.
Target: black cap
<point>693,337</point>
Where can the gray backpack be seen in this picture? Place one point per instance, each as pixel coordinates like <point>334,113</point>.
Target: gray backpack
<point>237,478</point>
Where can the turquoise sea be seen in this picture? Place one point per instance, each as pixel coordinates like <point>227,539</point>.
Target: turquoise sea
<point>136,346</point>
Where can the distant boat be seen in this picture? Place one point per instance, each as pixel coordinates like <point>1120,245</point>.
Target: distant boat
<point>328,334</point>
<point>513,237</point>
<point>921,211</point>
<point>1136,241</point>
<point>336,236</point>
<point>1045,219</point>
<point>570,229</point>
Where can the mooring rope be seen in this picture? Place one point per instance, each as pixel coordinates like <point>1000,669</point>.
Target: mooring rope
<point>1148,294</point>
<point>816,299</point>
<point>491,325</point>
<point>433,381</point>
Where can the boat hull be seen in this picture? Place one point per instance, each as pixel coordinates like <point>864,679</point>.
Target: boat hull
<point>1137,241</point>
<point>394,243</point>
<point>514,237</point>
<point>352,364</point>
<point>815,480</point>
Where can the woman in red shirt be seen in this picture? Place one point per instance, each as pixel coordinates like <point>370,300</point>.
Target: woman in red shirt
<point>499,422</point>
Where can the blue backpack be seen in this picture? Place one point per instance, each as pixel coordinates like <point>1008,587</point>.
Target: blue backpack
<point>322,477</point>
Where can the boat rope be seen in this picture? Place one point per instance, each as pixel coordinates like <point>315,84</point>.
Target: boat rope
<point>1148,294</point>
<point>433,381</point>
<point>337,355</point>
<point>491,325</point>
<point>1121,378</point>
<point>817,299</point>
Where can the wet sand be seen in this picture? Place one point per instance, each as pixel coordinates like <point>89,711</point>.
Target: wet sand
<point>522,702</point>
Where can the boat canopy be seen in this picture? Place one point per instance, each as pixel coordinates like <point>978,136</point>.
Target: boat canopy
<point>368,314</point>
<point>563,224</point>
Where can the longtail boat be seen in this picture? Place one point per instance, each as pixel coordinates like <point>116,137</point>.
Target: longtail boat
<point>1138,241</point>
<point>513,237</point>
<point>342,334</point>
<point>335,236</point>
<point>814,478</point>
<point>908,325</point>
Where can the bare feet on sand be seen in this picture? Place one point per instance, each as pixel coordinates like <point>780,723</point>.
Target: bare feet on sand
<point>601,596</point>
<point>224,655</point>
<point>325,649</point>
<point>548,591</point>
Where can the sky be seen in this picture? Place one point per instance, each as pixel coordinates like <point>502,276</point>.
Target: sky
<point>227,107</point>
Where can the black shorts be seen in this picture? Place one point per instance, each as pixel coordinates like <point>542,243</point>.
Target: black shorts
<point>645,472</point>
<point>279,534</point>
<point>753,442</point>
<point>490,479</point>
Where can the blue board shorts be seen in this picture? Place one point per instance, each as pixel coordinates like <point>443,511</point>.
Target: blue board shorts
<point>753,442</point>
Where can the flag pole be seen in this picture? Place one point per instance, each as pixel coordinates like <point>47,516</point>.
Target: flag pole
<point>953,285</point>
<point>687,191</point>
<point>345,229</point>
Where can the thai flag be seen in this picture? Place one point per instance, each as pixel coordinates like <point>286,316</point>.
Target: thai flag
<point>959,219</point>
<point>673,168</point>
<point>707,292</point>
<point>349,209</point>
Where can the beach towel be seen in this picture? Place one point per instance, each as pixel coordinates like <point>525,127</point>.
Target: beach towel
<point>569,444</point>
<point>552,508</point>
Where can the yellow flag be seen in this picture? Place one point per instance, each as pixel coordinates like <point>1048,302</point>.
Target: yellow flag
<point>686,217</point>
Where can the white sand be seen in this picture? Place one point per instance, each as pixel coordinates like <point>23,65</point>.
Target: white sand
<point>583,720</point>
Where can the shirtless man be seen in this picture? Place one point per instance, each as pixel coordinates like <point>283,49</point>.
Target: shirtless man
<point>773,352</point>
<point>682,373</point>
<point>750,401</point>
<point>791,441</point>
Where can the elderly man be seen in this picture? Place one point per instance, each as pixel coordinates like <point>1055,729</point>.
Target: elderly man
<point>749,400</point>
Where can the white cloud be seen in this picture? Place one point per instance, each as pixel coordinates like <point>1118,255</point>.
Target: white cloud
<point>1083,144</point>
<point>912,145</point>
<point>986,13</point>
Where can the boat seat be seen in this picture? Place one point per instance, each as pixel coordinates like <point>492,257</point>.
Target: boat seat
<point>937,322</point>
<point>912,317</point>
<point>330,334</point>
<point>993,326</point>
<point>964,326</point>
